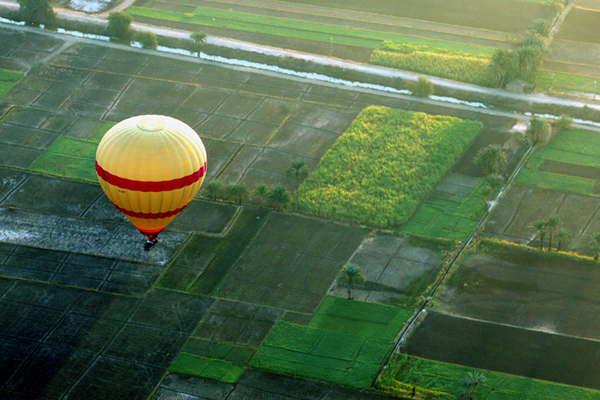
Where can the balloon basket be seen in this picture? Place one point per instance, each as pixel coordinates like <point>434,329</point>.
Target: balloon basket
<point>150,243</point>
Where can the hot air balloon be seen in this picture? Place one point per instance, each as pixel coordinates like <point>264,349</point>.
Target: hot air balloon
<point>151,167</point>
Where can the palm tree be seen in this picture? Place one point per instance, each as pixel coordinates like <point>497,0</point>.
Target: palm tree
<point>470,384</point>
<point>279,197</point>
<point>261,192</point>
<point>540,227</point>
<point>553,225</point>
<point>564,237</point>
<point>298,170</point>
<point>198,38</point>
<point>351,275</point>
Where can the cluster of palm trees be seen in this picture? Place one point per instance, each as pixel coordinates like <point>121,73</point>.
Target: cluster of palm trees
<point>552,229</point>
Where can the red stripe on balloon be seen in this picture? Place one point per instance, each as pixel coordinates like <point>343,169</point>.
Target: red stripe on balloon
<point>143,215</point>
<point>150,186</point>
<point>151,231</point>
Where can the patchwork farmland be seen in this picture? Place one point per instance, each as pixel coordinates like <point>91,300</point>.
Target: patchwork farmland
<point>212,301</point>
<point>250,293</point>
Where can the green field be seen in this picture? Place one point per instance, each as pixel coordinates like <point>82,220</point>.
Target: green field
<point>576,151</point>
<point>346,343</point>
<point>72,157</point>
<point>8,79</point>
<point>454,219</point>
<point>405,371</point>
<point>385,165</point>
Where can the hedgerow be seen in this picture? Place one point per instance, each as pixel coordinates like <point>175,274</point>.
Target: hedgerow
<point>384,165</point>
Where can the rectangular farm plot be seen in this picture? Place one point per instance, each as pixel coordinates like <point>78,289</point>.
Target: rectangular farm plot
<point>569,164</point>
<point>384,165</point>
<point>346,342</point>
<point>398,269</point>
<point>291,262</point>
<point>520,286</point>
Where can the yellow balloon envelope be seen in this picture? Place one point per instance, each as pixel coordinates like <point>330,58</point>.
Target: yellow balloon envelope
<point>151,167</point>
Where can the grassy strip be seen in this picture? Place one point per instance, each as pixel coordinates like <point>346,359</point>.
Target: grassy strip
<point>346,343</point>
<point>444,381</point>
<point>384,165</point>
<point>554,81</point>
<point>440,218</point>
<point>192,365</point>
<point>519,253</point>
<point>71,157</point>
<point>8,79</point>
<point>300,29</point>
